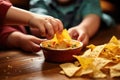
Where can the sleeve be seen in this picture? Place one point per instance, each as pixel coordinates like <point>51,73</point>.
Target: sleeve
<point>38,6</point>
<point>5,31</point>
<point>4,6</point>
<point>91,7</point>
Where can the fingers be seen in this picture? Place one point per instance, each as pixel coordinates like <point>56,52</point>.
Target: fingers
<point>83,38</point>
<point>30,47</point>
<point>60,25</point>
<point>39,24</point>
<point>49,30</point>
<point>37,40</point>
<point>34,47</point>
<point>30,43</point>
<point>47,25</point>
<point>55,24</point>
<point>79,35</point>
<point>42,31</point>
<point>52,26</point>
<point>73,33</point>
<point>35,44</point>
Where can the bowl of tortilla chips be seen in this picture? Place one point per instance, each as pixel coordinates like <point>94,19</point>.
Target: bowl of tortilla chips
<point>61,48</point>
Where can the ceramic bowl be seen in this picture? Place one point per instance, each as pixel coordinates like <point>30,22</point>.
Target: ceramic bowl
<point>60,55</point>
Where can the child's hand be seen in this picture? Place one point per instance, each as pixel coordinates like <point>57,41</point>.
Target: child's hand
<point>79,34</point>
<point>47,25</point>
<point>25,42</point>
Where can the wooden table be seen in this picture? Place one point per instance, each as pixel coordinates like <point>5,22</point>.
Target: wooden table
<point>18,65</point>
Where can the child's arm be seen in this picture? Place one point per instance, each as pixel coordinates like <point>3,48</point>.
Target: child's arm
<point>86,29</point>
<point>91,23</point>
<point>46,24</point>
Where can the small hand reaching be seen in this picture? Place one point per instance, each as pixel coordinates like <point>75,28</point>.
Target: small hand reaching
<point>25,42</point>
<point>47,25</point>
<point>79,34</point>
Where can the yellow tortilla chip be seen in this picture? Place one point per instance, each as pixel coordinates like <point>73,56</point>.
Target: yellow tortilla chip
<point>66,35</point>
<point>99,63</point>
<point>59,37</point>
<point>116,67</point>
<point>91,46</point>
<point>82,71</point>
<point>69,68</point>
<point>99,74</point>
<point>63,35</point>
<point>113,40</point>
<point>85,61</point>
<point>86,53</point>
<point>114,73</point>
<point>77,63</point>
<point>54,38</point>
<point>62,72</point>
<point>96,52</point>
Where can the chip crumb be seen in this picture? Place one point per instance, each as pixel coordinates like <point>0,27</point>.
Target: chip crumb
<point>20,71</point>
<point>62,72</point>
<point>4,70</point>
<point>6,77</point>
<point>7,57</point>
<point>32,59</point>
<point>9,66</point>
<point>77,63</point>
<point>8,72</point>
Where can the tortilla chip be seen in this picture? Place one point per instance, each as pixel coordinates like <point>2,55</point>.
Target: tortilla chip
<point>114,73</point>
<point>86,53</point>
<point>99,74</point>
<point>113,40</point>
<point>59,37</point>
<point>62,72</point>
<point>98,49</point>
<point>85,61</point>
<point>91,46</point>
<point>82,72</point>
<point>69,68</point>
<point>99,63</point>
<point>64,35</point>
<point>76,63</point>
<point>116,67</point>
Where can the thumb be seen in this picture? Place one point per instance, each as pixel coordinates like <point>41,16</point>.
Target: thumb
<point>38,40</point>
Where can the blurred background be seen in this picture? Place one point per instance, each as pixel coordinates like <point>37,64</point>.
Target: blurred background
<point>111,7</point>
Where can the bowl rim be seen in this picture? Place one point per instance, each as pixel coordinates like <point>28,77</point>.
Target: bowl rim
<point>62,49</point>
